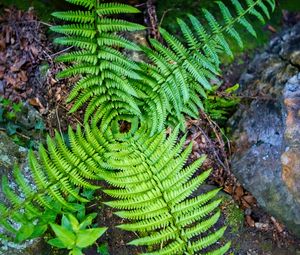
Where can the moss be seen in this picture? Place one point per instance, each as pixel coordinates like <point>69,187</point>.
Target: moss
<point>234,216</point>
<point>266,246</point>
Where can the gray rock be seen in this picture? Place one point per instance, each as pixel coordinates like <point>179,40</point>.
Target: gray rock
<point>10,154</point>
<point>267,129</point>
<point>28,117</point>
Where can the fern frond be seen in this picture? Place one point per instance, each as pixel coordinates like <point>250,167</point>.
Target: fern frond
<point>106,74</point>
<point>199,61</point>
<point>83,43</point>
<point>82,30</point>
<point>58,174</point>
<point>84,3</point>
<point>115,25</point>
<point>79,56</point>
<point>153,191</point>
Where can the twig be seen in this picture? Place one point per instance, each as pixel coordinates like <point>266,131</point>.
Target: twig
<point>46,24</point>
<point>58,121</point>
<point>212,146</point>
<point>151,18</point>
<point>214,127</point>
<point>18,133</point>
<point>62,51</point>
<point>164,14</point>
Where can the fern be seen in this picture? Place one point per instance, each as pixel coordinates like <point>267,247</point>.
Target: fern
<point>183,72</point>
<point>160,93</point>
<point>107,76</point>
<point>153,191</point>
<point>57,175</point>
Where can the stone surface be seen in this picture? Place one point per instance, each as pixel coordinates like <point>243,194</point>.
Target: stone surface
<point>10,154</point>
<point>267,129</point>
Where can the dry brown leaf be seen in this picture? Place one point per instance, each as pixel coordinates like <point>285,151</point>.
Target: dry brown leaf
<point>35,102</point>
<point>238,192</point>
<point>250,221</point>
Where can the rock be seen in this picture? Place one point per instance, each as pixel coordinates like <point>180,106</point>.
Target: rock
<point>28,117</point>
<point>10,154</point>
<point>267,129</point>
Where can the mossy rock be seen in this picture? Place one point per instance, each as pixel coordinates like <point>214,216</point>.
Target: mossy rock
<point>11,154</point>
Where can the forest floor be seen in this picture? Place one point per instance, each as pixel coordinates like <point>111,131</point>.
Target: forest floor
<point>27,75</point>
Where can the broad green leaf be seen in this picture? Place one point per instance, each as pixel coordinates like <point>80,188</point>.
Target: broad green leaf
<point>88,193</point>
<point>49,216</point>
<point>67,237</point>
<point>87,237</point>
<point>24,232</point>
<point>56,242</point>
<point>88,221</point>
<point>39,125</point>
<point>74,222</point>
<point>103,249</point>
<point>39,230</point>
<point>11,128</point>
<point>65,222</point>
<point>76,251</point>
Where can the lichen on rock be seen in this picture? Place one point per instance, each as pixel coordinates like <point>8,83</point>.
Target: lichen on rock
<point>267,129</point>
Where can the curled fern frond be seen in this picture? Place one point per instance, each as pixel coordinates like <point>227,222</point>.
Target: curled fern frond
<point>153,190</point>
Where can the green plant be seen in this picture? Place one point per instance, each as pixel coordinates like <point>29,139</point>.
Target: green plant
<point>153,192</point>
<point>219,105</point>
<point>74,235</point>
<point>147,167</point>
<point>108,78</point>
<point>11,122</point>
<point>30,223</point>
<point>102,249</point>
<point>234,215</point>
<point>8,114</point>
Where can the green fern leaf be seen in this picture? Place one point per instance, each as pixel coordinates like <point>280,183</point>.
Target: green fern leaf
<point>153,190</point>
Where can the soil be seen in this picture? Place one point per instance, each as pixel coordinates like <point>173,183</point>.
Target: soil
<point>27,73</point>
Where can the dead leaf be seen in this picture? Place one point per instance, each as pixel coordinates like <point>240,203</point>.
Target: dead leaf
<point>23,76</point>
<point>250,221</point>
<point>35,102</point>
<point>17,65</point>
<point>238,192</point>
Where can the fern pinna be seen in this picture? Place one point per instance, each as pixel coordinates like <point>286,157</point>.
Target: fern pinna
<point>153,186</point>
